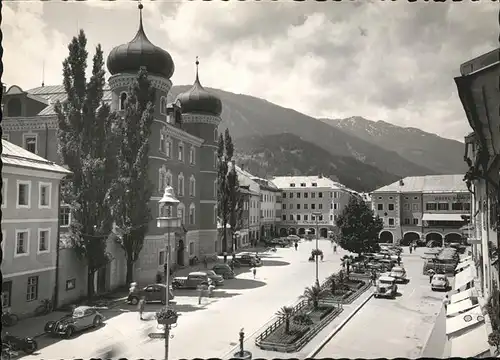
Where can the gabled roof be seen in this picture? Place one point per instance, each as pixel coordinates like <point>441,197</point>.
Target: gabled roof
<point>284,182</point>
<point>427,184</point>
<point>13,155</point>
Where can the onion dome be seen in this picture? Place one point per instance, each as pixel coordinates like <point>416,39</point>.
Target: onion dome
<point>198,100</point>
<point>140,52</point>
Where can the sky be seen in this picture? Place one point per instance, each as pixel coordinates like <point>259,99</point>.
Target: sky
<point>391,61</point>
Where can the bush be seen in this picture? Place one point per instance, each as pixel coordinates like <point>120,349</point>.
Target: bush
<point>326,312</point>
<point>316,252</point>
<point>494,339</point>
<point>302,319</point>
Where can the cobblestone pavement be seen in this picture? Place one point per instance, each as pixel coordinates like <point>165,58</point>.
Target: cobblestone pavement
<point>209,329</point>
<point>386,328</point>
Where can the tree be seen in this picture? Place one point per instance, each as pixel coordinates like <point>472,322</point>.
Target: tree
<point>286,313</point>
<point>359,227</point>
<point>314,294</point>
<point>235,203</point>
<point>85,146</point>
<point>132,189</point>
<point>346,262</point>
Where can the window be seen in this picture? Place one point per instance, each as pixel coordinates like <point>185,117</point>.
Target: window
<point>414,206</point>
<point>407,221</point>
<point>298,195</point>
<point>192,214</point>
<point>431,206</point>
<point>391,221</point>
<point>415,221</point>
<point>45,194</point>
<point>306,217</point>
<point>391,197</point>
<point>22,242</point>
<point>191,155</point>
<point>306,206</point>
<point>380,206</point>
<point>163,105</point>
<point>70,284</point>
<point>298,206</point>
<point>4,192</point>
<point>162,143</point>
<point>284,206</point>
<point>191,248</point>
<point>284,217</point>
<point>306,195</point>
<point>313,195</point>
<point>391,207</point>
<point>180,185</point>
<point>335,194</point>
<point>291,195</point>
<point>216,135</point>
<point>180,212</point>
<point>64,216</point>
<point>6,294</point>
<point>331,205</point>
<point>380,197</point>
<point>163,180</point>
<point>283,195</point>
<point>192,186</point>
<point>180,152</point>
<point>457,206</point>
<point>415,198</point>
<point>313,206</point>
<point>335,206</point>
<point>30,142</point>
<point>314,184</point>
<point>320,206</point>
<point>43,240</point>
<point>467,206</point>
<point>406,206</point>
<point>298,217</point>
<point>331,217</point>
<point>320,194</point>
<point>320,217</point>
<point>292,185</point>
<point>32,290</point>
<point>168,150</point>
<point>123,100</point>
<point>291,217</point>
<point>23,194</point>
<point>443,206</point>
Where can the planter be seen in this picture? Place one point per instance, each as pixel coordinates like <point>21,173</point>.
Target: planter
<point>167,321</point>
<point>246,355</point>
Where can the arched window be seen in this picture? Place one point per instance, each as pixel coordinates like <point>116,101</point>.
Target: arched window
<point>163,140</point>
<point>123,100</point>
<point>216,135</point>
<point>180,185</point>
<point>162,179</point>
<point>169,178</point>
<point>181,210</point>
<point>192,186</point>
<point>192,214</point>
<point>163,105</point>
<point>14,107</point>
<point>192,155</point>
<point>168,149</point>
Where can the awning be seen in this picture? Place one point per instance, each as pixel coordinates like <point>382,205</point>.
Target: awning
<point>469,319</point>
<point>464,277</point>
<point>455,308</point>
<point>471,344</point>
<point>463,265</point>
<point>442,217</point>
<point>462,295</point>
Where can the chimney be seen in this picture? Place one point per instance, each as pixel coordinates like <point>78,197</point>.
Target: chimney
<point>401,182</point>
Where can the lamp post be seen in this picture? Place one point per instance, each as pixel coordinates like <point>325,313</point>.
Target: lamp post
<point>167,222</point>
<point>316,217</point>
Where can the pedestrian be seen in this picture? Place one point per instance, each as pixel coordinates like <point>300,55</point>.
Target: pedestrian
<point>321,256</point>
<point>431,275</point>
<point>446,302</point>
<point>142,303</point>
<point>374,277</point>
<point>335,248</point>
<point>411,247</point>
<point>205,262</point>
<point>201,288</point>
<point>254,271</point>
<point>399,260</point>
<point>296,246</point>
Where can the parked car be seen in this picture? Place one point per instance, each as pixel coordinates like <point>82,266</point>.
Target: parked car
<point>386,287</point>
<point>82,317</point>
<point>192,281</point>
<point>440,282</point>
<point>247,260</point>
<point>152,293</point>
<point>224,270</point>
<point>217,280</point>
<point>399,273</point>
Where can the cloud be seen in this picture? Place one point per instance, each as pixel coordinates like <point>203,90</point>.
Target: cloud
<point>309,56</point>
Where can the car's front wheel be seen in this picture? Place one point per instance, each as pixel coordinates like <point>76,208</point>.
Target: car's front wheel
<point>97,321</point>
<point>48,326</point>
<point>134,300</point>
<point>69,332</point>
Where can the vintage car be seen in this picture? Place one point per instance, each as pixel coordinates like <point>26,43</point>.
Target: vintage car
<point>192,281</point>
<point>151,293</point>
<point>246,260</point>
<point>440,282</point>
<point>224,270</point>
<point>217,280</point>
<point>399,273</point>
<point>386,287</point>
<point>82,317</point>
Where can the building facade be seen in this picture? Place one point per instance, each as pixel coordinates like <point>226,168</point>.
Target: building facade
<point>182,152</point>
<point>247,180</point>
<point>423,209</point>
<point>269,208</point>
<point>302,196</point>
<point>30,208</point>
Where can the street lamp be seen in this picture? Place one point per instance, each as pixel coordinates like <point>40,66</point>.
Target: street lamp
<point>316,217</point>
<point>167,222</point>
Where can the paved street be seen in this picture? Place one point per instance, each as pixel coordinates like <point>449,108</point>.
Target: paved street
<point>386,328</point>
<point>211,329</point>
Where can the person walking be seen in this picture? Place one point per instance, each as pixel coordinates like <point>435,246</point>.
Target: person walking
<point>254,271</point>
<point>446,302</point>
<point>399,260</point>
<point>374,277</point>
<point>141,305</point>
<point>335,248</point>
<point>205,262</point>
<point>431,275</point>
<point>411,247</point>
<point>296,245</point>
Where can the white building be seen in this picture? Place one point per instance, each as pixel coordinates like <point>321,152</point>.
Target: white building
<point>270,207</point>
<point>246,179</point>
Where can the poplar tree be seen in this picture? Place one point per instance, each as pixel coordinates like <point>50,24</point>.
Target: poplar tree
<point>222,195</point>
<point>132,189</point>
<point>85,146</point>
<point>235,201</point>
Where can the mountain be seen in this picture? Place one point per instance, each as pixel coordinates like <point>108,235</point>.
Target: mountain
<point>247,116</point>
<point>422,148</point>
<point>288,154</point>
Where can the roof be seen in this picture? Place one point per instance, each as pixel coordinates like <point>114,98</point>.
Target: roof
<point>427,184</point>
<point>284,182</point>
<point>266,184</point>
<point>442,217</point>
<point>13,155</point>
